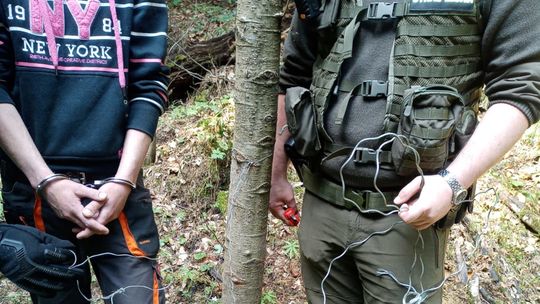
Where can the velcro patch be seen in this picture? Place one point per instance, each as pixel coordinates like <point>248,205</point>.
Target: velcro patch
<point>423,6</point>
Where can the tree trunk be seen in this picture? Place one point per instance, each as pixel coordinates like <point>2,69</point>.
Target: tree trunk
<point>257,60</point>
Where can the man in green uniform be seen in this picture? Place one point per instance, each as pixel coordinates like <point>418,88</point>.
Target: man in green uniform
<point>355,74</point>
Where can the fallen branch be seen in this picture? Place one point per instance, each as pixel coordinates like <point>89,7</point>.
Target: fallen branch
<point>190,64</point>
<point>530,220</point>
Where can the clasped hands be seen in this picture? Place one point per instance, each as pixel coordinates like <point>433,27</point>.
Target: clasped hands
<point>105,205</point>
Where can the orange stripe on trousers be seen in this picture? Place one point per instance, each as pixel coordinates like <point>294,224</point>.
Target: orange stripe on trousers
<point>156,289</point>
<point>128,236</point>
<point>38,219</point>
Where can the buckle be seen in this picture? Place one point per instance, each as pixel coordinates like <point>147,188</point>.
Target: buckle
<point>381,10</point>
<point>366,195</point>
<point>364,156</point>
<point>78,177</point>
<point>360,198</point>
<point>374,88</point>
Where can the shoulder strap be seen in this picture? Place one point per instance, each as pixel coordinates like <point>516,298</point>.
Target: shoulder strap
<point>326,70</point>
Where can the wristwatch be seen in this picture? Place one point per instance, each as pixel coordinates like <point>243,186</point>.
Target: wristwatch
<point>458,192</point>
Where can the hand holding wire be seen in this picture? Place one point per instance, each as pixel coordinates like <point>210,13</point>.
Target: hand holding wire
<point>424,201</point>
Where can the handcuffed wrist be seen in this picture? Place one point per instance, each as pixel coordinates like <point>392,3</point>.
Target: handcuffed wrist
<point>47,180</point>
<point>120,181</point>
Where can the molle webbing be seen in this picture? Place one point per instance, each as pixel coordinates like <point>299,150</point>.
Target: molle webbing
<point>430,48</point>
<point>436,71</point>
<point>435,48</point>
<point>438,30</point>
<point>327,69</point>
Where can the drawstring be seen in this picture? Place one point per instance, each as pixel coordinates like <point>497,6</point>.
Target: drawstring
<point>119,51</point>
<point>51,42</point>
<point>49,34</point>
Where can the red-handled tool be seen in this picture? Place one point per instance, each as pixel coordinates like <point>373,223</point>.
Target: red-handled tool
<point>293,216</point>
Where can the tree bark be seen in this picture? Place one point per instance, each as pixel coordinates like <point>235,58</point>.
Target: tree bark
<point>257,61</point>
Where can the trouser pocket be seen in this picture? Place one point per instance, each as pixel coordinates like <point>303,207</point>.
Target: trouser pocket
<point>138,224</point>
<point>18,199</point>
<point>440,236</point>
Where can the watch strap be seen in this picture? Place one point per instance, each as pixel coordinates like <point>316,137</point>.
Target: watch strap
<point>454,184</point>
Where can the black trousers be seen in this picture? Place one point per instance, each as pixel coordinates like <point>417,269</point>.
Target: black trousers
<point>132,277</point>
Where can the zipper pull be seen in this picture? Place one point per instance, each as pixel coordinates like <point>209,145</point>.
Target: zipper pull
<point>407,111</point>
<point>453,143</point>
<point>124,94</point>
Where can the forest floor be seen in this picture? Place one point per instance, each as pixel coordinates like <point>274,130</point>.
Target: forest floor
<point>496,250</point>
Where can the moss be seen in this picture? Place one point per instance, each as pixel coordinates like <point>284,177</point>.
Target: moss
<point>221,201</point>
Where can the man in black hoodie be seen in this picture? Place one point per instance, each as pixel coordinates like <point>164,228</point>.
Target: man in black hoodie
<point>82,85</point>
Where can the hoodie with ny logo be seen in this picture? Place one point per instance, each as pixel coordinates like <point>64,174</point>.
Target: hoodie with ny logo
<point>82,72</point>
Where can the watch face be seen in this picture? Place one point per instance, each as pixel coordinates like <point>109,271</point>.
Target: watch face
<point>460,196</point>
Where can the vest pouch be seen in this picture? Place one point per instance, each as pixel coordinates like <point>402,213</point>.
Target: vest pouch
<point>301,123</point>
<point>427,124</point>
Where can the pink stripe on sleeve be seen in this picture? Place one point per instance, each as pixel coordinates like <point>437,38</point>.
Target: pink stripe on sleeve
<point>147,60</point>
<point>165,98</point>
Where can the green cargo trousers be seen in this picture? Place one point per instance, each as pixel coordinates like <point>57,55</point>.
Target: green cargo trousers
<point>327,230</point>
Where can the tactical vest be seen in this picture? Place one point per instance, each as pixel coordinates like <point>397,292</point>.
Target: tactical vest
<point>435,74</point>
